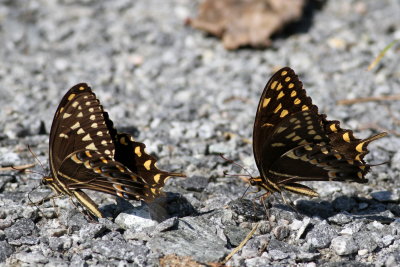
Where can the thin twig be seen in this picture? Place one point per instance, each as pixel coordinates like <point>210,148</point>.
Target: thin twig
<point>368,99</point>
<point>241,245</point>
<point>381,55</point>
<point>18,168</point>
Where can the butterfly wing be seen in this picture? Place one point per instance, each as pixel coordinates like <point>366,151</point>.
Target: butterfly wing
<point>86,152</point>
<point>292,142</point>
<point>132,154</point>
<point>78,124</point>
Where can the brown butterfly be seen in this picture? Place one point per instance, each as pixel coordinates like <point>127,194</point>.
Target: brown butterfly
<point>293,143</point>
<point>86,152</point>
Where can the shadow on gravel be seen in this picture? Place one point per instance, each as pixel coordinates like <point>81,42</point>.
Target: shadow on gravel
<point>352,207</point>
<point>171,205</point>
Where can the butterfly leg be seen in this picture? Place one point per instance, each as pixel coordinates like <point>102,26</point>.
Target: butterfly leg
<point>289,203</point>
<point>88,203</point>
<point>262,200</point>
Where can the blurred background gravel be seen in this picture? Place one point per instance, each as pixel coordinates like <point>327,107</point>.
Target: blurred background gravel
<point>188,99</point>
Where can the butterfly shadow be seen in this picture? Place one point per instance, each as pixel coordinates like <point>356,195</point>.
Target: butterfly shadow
<point>355,208</point>
<point>162,208</point>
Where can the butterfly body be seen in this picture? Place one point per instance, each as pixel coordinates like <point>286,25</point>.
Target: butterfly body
<point>87,152</point>
<point>293,143</point>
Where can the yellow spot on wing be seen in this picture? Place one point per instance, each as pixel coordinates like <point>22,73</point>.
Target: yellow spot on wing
<point>62,135</point>
<point>279,87</point>
<point>287,79</point>
<point>99,133</point>
<point>273,85</point>
<point>92,117</point>
<point>66,115</point>
<point>157,178</point>
<point>297,101</point>
<point>359,147</point>
<point>75,159</point>
<point>81,88</point>
<point>154,191</point>
<point>87,164</point>
<point>304,107</point>
<point>290,135</point>
<point>333,127</point>
<point>293,93</point>
<point>80,115</point>
<point>121,169</point>
<point>75,104</point>
<point>71,96</point>
<point>265,102</point>
<point>91,146</point>
<point>80,131</point>
<point>86,138</point>
<point>284,113</point>
<point>94,125</point>
<point>281,129</point>
<point>296,138</point>
<point>284,73</point>
<point>277,144</point>
<point>267,124</point>
<point>346,137</point>
<point>138,152</point>
<point>147,164</point>
<point>76,125</point>
<point>278,108</point>
<point>291,85</point>
<point>103,160</point>
<point>281,94</point>
<point>88,154</point>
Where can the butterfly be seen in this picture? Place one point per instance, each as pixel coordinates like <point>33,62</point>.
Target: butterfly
<point>87,152</point>
<point>293,143</point>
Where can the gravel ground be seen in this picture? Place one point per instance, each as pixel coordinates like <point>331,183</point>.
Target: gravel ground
<point>178,91</point>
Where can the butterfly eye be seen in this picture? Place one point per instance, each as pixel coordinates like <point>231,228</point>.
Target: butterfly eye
<point>253,182</point>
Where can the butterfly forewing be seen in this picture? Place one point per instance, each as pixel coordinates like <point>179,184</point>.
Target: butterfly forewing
<point>86,152</point>
<point>292,142</point>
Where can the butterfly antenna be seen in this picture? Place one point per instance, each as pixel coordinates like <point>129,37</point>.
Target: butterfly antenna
<point>36,158</point>
<point>237,164</point>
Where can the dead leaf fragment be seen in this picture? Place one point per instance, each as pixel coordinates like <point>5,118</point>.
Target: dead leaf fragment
<point>246,22</point>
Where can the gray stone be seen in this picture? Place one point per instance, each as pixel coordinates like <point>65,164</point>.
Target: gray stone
<point>195,183</point>
<point>321,235</point>
<point>121,251</point>
<point>166,225</point>
<point>280,232</point>
<point>5,250</point>
<point>367,240</point>
<point>277,254</point>
<point>22,227</point>
<point>344,203</point>
<point>343,245</point>
<point>235,234</point>
<point>341,218</point>
<point>387,196</point>
<point>194,237</point>
<point>31,257</point>
<point>91,230</point>
<point>135,219</point>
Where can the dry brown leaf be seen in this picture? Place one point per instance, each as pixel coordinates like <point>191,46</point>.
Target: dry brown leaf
<point>246,22</point>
